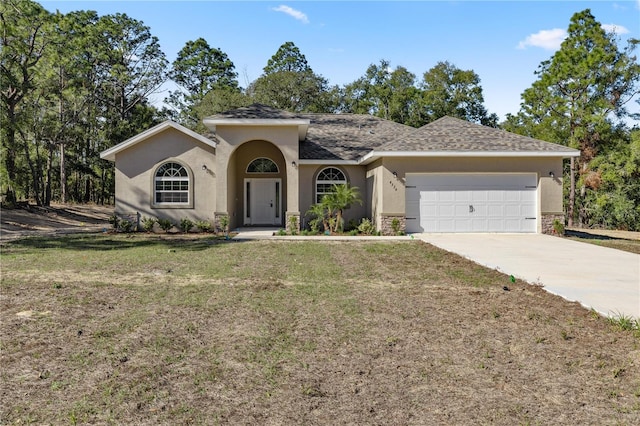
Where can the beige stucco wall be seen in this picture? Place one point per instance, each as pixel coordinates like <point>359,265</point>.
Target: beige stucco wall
<point>356,176</point>
<point>136,166</point>
<point>231,167</point>
<point>389,192</point>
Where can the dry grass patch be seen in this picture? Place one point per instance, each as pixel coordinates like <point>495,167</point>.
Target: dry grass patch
<point>156,330</point>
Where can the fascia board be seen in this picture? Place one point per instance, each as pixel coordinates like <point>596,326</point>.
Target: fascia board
<point>374,155</point>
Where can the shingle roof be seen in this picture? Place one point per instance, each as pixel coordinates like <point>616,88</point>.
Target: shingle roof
<point>456,135</point>
<point>256,111</point>
<point>347,136</point>
<point>352,136</point>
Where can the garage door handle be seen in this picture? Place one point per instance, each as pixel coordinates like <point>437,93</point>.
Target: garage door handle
<point>471,209</point>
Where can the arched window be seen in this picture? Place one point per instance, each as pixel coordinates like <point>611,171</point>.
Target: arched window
<point>262,165</point>
<point>171,184</point>
<point>325,181</point>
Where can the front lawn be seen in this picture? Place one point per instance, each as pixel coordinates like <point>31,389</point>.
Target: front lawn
<point>137,329</point>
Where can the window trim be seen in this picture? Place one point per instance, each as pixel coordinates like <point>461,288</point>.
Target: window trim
<point>247,171</point>
<point>317,181</point>
<point>172,205</point>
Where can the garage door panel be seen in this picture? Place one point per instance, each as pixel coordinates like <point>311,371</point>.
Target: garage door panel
<point>462,196</point>
<point>471,203</point>
<point>445,196</point>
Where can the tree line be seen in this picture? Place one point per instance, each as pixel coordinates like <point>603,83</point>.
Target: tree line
<point>75,84</point>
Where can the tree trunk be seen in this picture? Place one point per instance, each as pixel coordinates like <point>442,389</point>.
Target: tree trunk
<point>34,173</point>
<point>63,176</point>
<point>47,186</point>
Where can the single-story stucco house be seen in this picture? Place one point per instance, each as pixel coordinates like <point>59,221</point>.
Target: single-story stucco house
<point>261,166</point>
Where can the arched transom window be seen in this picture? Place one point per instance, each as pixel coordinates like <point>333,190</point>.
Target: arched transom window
<point>325,181</point>
<point>171,184</point>
<point>262,165</point>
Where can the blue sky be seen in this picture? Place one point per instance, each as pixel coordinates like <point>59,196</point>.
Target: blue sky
<point>502,41</point>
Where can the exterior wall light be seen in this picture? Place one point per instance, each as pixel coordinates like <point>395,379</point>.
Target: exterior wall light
<point>204,167</point>
<point>552,175</point>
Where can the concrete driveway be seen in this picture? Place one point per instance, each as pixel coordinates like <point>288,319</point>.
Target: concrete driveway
<point>601,278</point>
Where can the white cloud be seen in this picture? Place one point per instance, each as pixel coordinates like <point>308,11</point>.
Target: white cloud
<point>613,28</point>
<point>546,39</point>
<point>292,12</point>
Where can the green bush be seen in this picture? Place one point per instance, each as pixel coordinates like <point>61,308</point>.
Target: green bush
<point>114,220</point>
<point>224,223</point>
<point>186,224</point>
<point>126,226</point>
<point>558,227</point>
<point>395,226</point>
<point>203,225</point>
<point>366,227</point>
<point>165,224</point>
<point>147,223</point>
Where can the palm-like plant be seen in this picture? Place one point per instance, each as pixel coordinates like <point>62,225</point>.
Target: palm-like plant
<point>342,197</point>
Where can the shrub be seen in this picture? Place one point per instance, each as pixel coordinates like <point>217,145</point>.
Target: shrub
<point>558,227</point>
<point>125,226</point>
<point>203,225</point>
<point>114,220</point>
<point>366,227</point>
<point>165,224</point>
<point>224,223</point>
<point>147,223</point>
<point>395,226</point>
<point>186,224</point>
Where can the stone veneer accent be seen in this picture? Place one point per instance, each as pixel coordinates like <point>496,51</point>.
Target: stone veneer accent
<point>387,221</point>
<point>547,222</point>
<point>288,226</point>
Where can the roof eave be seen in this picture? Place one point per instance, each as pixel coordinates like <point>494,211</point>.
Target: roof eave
<point>375,155</point>
<point>329,162</point>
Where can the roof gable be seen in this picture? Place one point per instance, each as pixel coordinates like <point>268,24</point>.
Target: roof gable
<point>258,115</point>
<point>110,154</point>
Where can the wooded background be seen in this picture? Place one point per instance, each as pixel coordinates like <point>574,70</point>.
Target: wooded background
<point>75,84</point>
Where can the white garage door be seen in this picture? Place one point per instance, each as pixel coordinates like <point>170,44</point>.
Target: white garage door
<point>471,202</point>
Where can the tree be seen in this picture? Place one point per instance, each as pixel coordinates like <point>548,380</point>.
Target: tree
<point>448,90</point>
<point>198,69</point>
<point>24,40</point>
<point>71,86</point>
<point>287,58</point>
<point>290,84</point>
<point>216,101</point>
<point>579,93</point>
<point>385,93</point>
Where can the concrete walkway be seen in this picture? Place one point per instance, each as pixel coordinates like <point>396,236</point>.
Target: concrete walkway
<point>601,278</point>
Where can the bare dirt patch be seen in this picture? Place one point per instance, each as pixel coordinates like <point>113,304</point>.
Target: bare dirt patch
<point>114,329</point>
<point>33,220</point>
